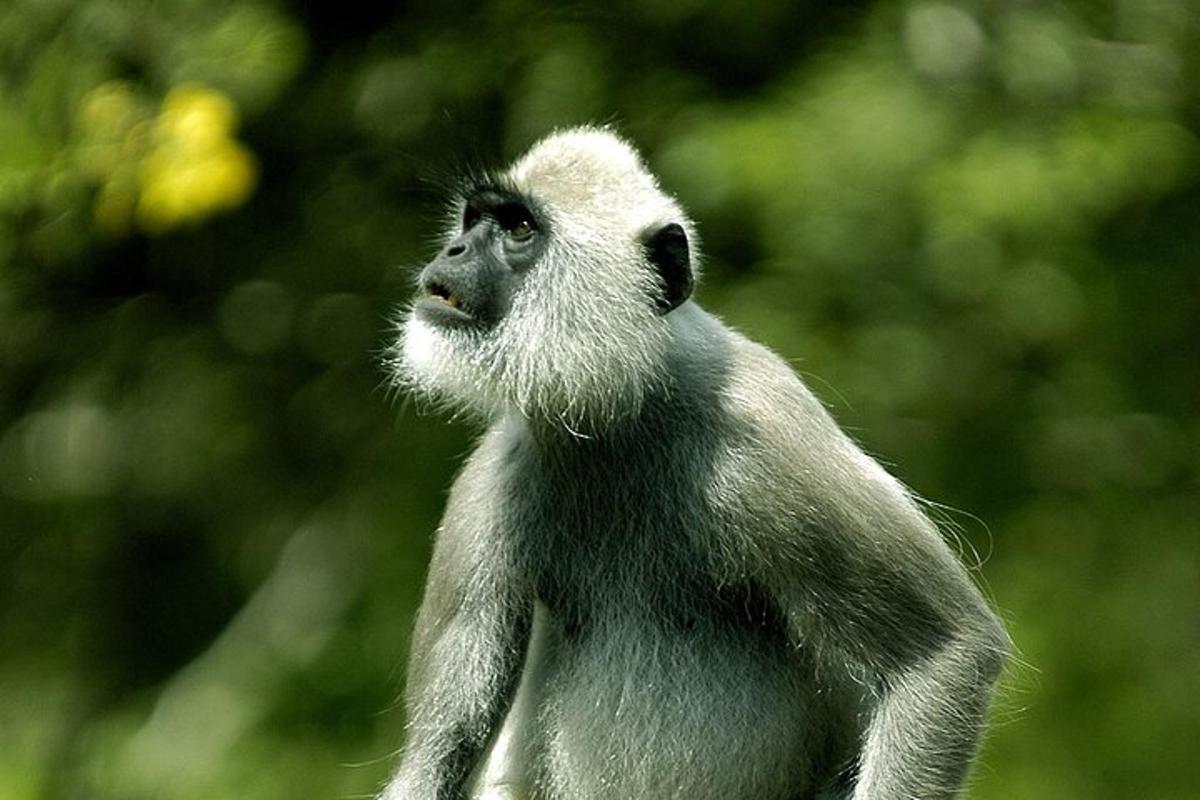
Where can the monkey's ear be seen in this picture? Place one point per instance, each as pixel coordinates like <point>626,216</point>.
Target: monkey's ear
<point>667,249</point>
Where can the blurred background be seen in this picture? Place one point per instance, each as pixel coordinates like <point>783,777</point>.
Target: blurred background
<point>973,226</point>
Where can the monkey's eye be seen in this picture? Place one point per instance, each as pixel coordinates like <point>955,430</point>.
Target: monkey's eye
<point>516,221</point>
<point>521,231</point>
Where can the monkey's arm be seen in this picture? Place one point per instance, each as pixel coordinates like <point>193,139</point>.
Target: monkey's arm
<point>466,653</point>
<point>894,612</point>
<point>927,718</point>
<point>930,691</point>
<point>881,596</point>
<point>870,589</point>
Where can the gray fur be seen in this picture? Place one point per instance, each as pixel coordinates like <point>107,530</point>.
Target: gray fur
<point>736,602</point>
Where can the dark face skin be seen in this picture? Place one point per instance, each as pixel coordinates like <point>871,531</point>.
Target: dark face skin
<point>470,284</point>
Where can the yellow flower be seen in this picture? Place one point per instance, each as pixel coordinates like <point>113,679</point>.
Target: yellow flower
<point>178,188</point>
<point>195,167</point>
<point>196,117</point>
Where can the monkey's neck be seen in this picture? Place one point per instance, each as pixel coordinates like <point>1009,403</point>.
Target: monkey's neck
<point>694,372</point>
<point>662,422</point>
<point>556,435</point>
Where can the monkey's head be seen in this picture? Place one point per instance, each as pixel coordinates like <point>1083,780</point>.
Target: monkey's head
<point>554,291</point>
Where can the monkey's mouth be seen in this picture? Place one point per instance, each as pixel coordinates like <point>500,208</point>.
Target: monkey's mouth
<point>441,293</point>
<point>440,305</point>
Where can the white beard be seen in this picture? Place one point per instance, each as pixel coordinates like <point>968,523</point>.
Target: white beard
<point>432,362</point>
<point>424,346</point>
<point>565,368</point>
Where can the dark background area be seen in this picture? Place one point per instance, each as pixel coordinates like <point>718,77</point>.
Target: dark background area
<point>972,226</point>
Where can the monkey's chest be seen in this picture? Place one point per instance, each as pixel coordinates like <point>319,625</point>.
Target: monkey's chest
<point>610,559</point>
<point>637,705</point>
<point>650,680</point>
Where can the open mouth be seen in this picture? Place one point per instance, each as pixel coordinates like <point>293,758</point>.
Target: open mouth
<point>439,305</point>
<point>438,292</point>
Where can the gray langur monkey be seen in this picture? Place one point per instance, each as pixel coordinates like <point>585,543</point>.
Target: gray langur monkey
<point>664,572</point>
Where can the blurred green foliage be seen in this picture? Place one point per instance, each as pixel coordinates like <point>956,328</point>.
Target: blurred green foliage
<point>978,220</point>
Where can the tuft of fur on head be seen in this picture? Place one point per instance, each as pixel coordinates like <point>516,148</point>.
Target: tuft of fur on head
<point>582,346</point>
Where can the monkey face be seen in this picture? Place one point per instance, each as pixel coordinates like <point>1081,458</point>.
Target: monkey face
<point>471,282</point>
<point>554,290</point>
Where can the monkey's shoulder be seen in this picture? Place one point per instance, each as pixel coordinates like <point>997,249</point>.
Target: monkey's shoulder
<point>785,452</point>
<point>765,401</point>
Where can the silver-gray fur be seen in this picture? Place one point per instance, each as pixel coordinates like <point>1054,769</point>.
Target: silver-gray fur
<point>726,598</point>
